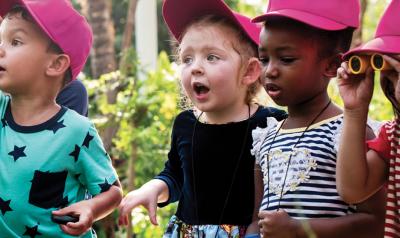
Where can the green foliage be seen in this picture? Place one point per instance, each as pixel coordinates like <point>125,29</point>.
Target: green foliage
<point>144,111</point>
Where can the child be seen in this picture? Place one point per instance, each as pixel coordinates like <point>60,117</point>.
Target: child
<point>300,48</point>
<point>50,155</point>
<point>209,168</point>
<point>362,171</point>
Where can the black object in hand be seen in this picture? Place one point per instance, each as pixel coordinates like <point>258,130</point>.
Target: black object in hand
<point>64,219</point>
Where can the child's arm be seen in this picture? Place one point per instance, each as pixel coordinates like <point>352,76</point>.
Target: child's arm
<point>253,228</point>
<point>359,174</point>
<point>153,192</point>
<point>90,210</point>
<point>367,223</point>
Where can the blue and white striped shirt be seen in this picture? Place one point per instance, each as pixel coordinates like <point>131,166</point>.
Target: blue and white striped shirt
<point>310,187</point>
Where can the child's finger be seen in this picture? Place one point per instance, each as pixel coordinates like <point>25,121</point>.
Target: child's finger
<point>152,214</point>
<point>394,62</point>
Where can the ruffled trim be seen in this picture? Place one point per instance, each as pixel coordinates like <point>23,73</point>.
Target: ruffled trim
<point>259,135</point>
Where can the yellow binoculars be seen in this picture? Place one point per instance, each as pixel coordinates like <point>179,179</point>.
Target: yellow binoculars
<point>358,63</point>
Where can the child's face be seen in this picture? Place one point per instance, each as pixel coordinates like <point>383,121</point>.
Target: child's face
<point>292,72</point>
<point>23,54</point>
<point>211,68</point>
<point>391,85</point>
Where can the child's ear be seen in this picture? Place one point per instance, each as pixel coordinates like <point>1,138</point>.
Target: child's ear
<point>333,63</point>
<point>58,65</point>
<point>252,71</point>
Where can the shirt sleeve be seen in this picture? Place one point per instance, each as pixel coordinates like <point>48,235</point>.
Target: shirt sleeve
<point>381,144</point>
<point>172,174</point>
<point>74,96</point>
<point>94,164</point>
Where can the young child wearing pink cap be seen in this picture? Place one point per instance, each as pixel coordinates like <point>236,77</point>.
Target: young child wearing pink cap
<point>210,170</point>
<point>300,50</point>
<point>51,157</point>
<point>363,168</point>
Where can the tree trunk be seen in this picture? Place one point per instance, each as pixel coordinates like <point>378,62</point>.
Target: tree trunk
<point>98,13</point>
<point>357,36</point>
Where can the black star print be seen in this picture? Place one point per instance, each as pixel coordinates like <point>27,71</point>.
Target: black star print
<point>87,140</point>
<point>75,153</point>
<point>18,152</point>
<point>5,206</point>
<point>4,122</point>
<point>104,186</point>
<point>57,126</point>
<point>32,231</point>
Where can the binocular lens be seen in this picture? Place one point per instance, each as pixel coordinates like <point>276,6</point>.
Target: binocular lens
<point>377,61</point>
<point>355,64</point>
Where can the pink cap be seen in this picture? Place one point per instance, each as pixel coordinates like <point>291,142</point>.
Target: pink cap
<point>179,13</point>
<point>63,24</point>
<point>323,14</point>
<point>387,36</point>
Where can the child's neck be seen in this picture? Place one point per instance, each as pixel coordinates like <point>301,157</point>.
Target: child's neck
<point>230,115</point>
<point>300,115</point>
<point>32,111</point>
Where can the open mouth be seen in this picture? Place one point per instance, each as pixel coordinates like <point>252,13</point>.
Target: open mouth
<point>200,89</point>
<point>271,87</point>
<point>2,69</point>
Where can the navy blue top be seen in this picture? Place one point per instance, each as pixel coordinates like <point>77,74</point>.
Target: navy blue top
<point>216,153</point>
<point>74,96</point>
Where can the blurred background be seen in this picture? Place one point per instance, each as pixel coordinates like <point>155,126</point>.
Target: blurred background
<point>134,91</point>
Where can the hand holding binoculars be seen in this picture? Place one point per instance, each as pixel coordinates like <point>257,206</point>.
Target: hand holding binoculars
<point>358,63</point>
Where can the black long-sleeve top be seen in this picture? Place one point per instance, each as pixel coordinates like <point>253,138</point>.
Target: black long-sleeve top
<point>216,153</point>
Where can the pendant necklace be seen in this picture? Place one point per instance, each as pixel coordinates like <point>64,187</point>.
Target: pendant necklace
<point>233,176</point>
<point>290,156</point>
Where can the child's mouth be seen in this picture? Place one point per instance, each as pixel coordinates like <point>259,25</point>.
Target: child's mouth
<point>200,89</point>
<point>272,90</point>
<point>2,69</point>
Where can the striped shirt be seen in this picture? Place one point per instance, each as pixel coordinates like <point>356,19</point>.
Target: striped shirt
<point>309,190</point>
<point>387,145</point>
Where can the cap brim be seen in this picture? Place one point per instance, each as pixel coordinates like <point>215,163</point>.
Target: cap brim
<point>383,44</point>
<point>310,19</point>
<point>178,14</point>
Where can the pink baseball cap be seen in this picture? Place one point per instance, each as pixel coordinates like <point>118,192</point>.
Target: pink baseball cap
<point>179,13</point>
<point>62,24</point>
<point>323,14</point>
<point>387,35</point>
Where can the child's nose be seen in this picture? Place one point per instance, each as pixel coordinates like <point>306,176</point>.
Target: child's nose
<point>197,67</point>
<point>271,71</point>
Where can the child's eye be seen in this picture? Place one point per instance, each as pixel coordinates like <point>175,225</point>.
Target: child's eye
<point>187,60</point>
<point>288,60</point>
<point>212,58</point>
<point>264,61</point>
<point>15,42</point>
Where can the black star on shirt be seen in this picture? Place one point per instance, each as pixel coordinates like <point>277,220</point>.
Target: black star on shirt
<point>58,125</point>
<point>18,152</point>
<point>104,186</point>
<point>32,231</point>
<point>3,122</point>
<point>75,153</point>
<point>5,206</point>
<point>87,140</point>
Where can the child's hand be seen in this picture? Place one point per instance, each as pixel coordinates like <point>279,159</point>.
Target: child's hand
<point>392,77</point>
<point>277,224</point>
<point>146,197</point>
<point>85,213</point>
<point>355,90</point>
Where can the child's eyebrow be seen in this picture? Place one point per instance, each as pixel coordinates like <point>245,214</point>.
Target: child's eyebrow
<point>17,30</point>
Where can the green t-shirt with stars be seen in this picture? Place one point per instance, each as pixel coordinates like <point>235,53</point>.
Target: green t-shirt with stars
<point>47,167</point>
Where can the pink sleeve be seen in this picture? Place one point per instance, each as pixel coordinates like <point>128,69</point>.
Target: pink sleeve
<point>381,144</point>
